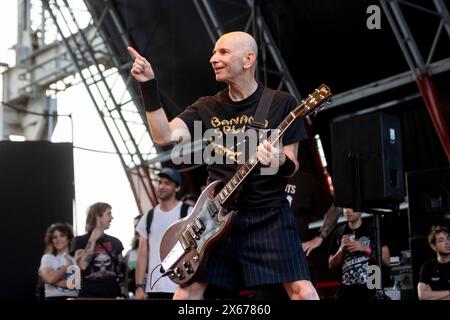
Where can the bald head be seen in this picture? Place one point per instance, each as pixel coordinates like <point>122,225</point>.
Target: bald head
<point>242,41</point>
<point>234,57</point>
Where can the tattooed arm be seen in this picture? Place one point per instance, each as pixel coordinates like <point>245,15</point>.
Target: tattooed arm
<point>329,222</point>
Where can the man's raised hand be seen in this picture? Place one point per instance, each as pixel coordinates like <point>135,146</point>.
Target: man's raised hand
<point>141,70</point>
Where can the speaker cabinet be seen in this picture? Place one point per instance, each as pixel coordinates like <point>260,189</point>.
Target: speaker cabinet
<point>428,199</point>
<point>428,205</point>
<point>36,189</point>
<point>367,161</point>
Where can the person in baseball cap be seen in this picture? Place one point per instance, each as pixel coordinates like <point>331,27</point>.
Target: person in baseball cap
<point>171,174</point>
<point>151,230</point>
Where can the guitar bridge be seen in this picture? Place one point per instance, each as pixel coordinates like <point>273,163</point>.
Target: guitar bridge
<point>193,233</point>
<point>187,241</point>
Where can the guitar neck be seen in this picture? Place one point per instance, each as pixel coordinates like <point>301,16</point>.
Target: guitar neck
<point>314,100</point>
<point>245,169</point>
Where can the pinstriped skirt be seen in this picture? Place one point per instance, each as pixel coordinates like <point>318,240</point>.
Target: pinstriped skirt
<point>263,247</point>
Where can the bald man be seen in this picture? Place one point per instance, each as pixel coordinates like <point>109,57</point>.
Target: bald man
<point>263,245</point>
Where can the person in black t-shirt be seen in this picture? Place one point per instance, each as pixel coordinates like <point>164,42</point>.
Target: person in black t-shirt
<point>434,281</point>
<point>99,256</point>
<point>263,245</point>
<point>352,249</point>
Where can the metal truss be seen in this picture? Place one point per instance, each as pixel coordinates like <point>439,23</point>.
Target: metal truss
<point>271,65</point>
<point>405,37</point>
<point>419,66</point>
<point>100,72</point>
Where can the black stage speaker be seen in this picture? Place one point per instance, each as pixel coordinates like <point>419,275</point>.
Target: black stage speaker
<point>428,199</point>
<point>367,161</point>
<point>36,189</point>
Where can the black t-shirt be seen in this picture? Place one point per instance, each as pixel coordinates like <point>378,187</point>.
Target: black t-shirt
<point>101,277</point>
<point>436,275</point>
<point>228,120</point>
<point>354,267</point>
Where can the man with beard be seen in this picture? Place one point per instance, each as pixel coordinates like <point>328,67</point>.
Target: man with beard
<point>434,281</point>
<point>151,231</point>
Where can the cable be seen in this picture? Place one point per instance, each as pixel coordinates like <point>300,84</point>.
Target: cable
<point>47,115</point>
<point>151,276</point>
<point>104,151</point>
<point>35,113</point>
<point>70,116</point>
<point>95,150</point>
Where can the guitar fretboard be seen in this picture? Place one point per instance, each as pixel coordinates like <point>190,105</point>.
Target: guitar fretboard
<point>246,168</point>
<point>306,106</point>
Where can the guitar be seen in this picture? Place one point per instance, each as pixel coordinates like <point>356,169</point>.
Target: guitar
<point>186,243</point>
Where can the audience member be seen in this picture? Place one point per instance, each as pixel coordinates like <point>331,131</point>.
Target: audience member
<point>55,261</point>
<point>434,281</point>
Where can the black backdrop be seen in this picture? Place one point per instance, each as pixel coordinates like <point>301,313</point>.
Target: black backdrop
<point>428,205</point>
<point>36,190</point>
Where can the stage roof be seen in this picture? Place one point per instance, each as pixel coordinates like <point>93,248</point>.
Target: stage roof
<point>321,41</point>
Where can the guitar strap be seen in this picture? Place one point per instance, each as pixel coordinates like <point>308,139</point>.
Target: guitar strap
<point>260,117</point>
<point>259,120</point>
<point>262,110</point>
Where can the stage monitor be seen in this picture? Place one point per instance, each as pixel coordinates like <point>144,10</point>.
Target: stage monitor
<point>367,161</point>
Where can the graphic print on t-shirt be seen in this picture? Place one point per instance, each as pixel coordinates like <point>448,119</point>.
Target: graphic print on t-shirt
<point>355,266</point>
<point>102,267</point>
<point>218,116</point>
<point>231,139</point>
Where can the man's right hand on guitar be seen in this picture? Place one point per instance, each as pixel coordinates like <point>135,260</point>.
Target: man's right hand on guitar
<point>141,70</point>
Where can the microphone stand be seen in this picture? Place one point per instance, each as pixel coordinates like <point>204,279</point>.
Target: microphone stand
<point>355,164</point>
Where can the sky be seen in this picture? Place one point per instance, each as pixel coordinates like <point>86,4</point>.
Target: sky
<point>98,176</point>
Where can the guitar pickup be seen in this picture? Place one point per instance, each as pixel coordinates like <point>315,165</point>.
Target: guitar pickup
<point>192,232</point>
<point>199,225</point>
<point>187,240</point>
<point>211,210</point>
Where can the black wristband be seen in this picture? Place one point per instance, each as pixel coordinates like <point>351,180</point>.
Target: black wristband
<point>150,95</point>
<point>140,285</point>
<point>287,168</point>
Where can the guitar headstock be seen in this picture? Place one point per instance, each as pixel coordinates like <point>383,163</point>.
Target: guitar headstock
<point>314,102</point>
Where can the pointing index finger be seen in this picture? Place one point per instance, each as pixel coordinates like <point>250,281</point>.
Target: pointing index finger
<point>134,53</point>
